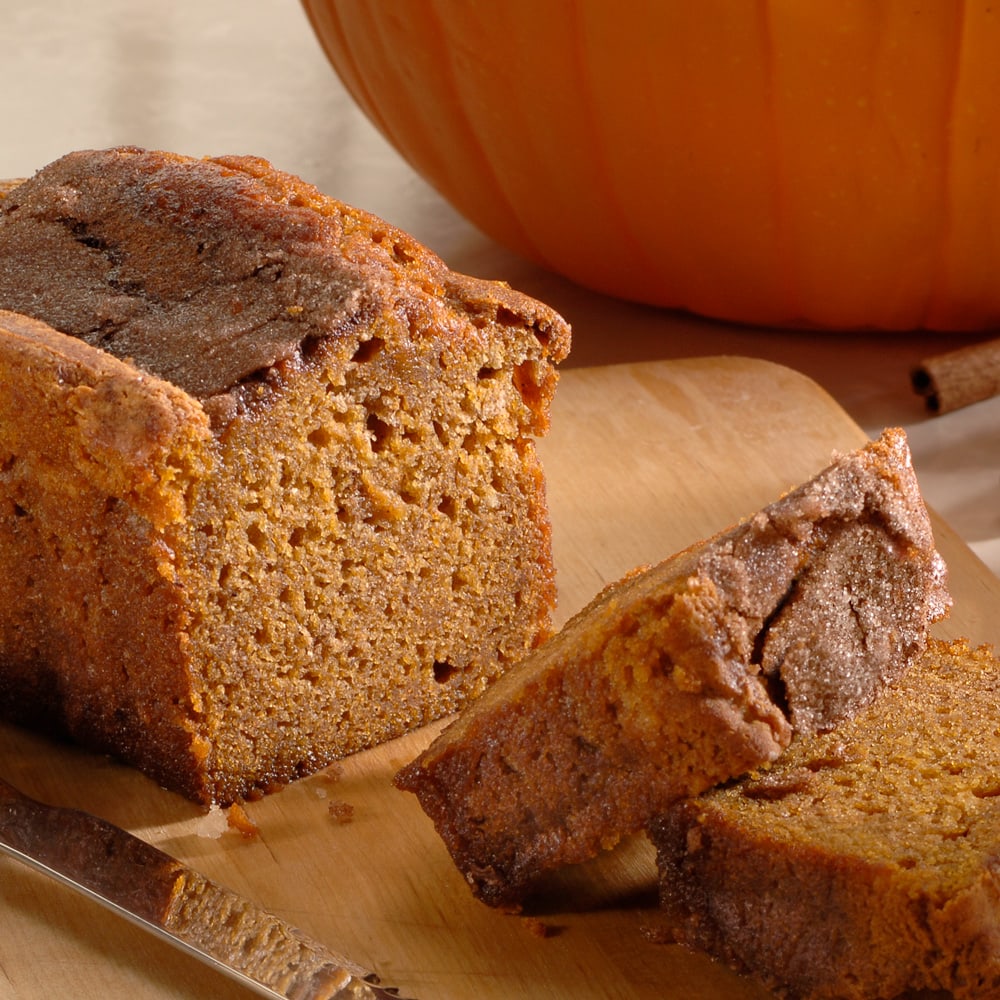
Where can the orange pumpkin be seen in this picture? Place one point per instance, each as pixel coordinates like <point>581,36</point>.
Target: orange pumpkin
<point>831,163</point>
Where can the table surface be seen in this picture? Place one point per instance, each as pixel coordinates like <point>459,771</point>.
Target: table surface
<point>246,76</point>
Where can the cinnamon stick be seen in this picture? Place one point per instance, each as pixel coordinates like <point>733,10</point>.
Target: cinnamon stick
<point>959,378</point>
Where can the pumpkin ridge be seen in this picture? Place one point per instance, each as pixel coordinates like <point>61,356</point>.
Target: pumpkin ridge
<point>434,21</point>
<point>937,291</point>
<point>329,27</point>
<point>788,278</point>
<point>598,143</point>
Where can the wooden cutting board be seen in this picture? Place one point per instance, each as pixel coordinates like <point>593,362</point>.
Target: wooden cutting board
<point>641,461</point>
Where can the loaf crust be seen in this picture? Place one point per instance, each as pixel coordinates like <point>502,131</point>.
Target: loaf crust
<point>268,486</point>
<point>687,674</point>
<point>866,862</point>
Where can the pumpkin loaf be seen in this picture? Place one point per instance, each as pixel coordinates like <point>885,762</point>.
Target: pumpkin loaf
<point>268,486</point>
<point>687,674</point>
<point>866,862</point>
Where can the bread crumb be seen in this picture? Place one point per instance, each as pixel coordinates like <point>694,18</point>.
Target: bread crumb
<point>341,811</point>
<point>238,820</point>
<point>539,928</point>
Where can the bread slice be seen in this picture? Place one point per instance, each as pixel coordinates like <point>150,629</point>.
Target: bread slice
<point>687,674</point>
<point>268,487</point>
<point>866,862</point>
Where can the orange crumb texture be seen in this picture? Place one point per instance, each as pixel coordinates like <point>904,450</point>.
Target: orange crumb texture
<point>342,812</point>
<point>538,927</point>
<point>238,820</point>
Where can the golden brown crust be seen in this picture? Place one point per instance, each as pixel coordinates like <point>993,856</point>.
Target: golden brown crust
<point>680,676</point>
<point>866,862</point>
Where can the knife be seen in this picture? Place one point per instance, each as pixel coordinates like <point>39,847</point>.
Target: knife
<point>160,894</point>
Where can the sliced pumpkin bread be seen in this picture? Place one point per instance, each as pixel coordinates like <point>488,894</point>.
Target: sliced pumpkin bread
<point>687,674</point>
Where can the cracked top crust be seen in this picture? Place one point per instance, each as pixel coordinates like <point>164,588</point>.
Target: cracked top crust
<point>204,272</point>
<point>854,551</point>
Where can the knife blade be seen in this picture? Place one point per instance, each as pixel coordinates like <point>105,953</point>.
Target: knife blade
<point>173,901</point>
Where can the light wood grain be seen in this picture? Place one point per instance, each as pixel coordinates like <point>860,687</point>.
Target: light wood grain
<point>642,460</point>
